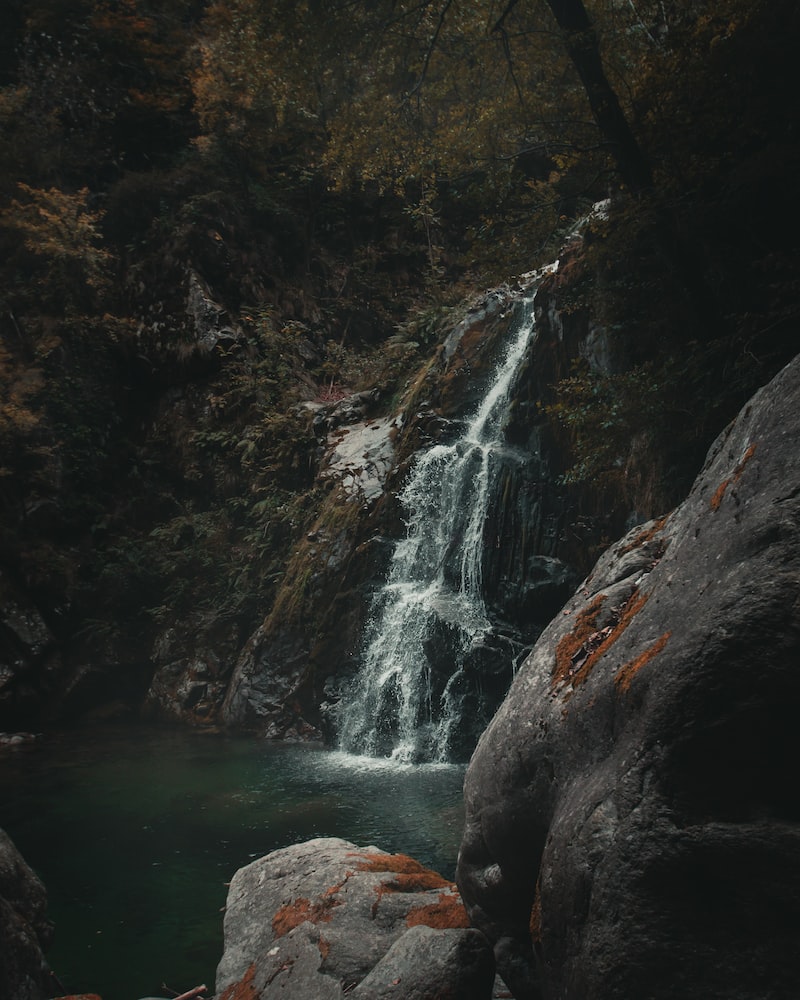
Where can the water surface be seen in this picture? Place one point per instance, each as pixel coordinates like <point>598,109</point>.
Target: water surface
<point>135,832</point>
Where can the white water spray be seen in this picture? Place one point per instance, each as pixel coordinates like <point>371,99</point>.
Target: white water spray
<point>431,607</point>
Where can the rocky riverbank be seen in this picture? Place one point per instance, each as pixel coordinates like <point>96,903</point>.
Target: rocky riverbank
<point>631,829</point>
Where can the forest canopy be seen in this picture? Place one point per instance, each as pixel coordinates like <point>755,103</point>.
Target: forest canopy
<point>467,111</point>
<point>323,183</point>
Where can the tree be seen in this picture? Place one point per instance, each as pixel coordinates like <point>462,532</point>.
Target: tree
<point>64,233</point>
<point>581,43</point>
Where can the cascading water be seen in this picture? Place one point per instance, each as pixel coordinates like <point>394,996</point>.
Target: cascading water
<point>404,702</point>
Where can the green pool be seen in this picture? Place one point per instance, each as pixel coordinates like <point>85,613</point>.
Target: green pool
<point>136,831</point>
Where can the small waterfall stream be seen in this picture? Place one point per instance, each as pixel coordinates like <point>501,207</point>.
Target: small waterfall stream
<point>404,702</point>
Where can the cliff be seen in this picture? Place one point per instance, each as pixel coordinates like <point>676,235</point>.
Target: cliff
<point>231,585</point>
<point>630,827</point>
<point>631,823</point>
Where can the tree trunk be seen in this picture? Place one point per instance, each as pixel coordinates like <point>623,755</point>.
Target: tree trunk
<point>580,40</point>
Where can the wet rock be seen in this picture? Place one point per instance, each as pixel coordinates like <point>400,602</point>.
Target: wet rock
<point>470,352</point>
<point>352,409</point>
<point>537,593</point>
<point>267,690</point>
<point>492,306</point>
<point>327,919</point>
<point>210,324</point>
<point>434,428</point>
<point>193,668</point>
<point>28,657</point>
<point>25,931</point>
<point>16,740</point>
<point>360,456</point>
<point>631,828</point>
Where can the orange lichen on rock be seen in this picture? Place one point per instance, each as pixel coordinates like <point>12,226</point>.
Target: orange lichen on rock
<point>719,493</point>
<point>244,989</point>
<point>644,536</point>
<point>734,478</point>
<point>299,910</point>
<point>579,651</point>
<point>571,644</point>
<point>629,670</point>
<point>408,875</point>
<point>411,876</point>
<point>447,913</point>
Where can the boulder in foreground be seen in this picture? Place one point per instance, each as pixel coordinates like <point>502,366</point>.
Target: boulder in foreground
<point>632,811</point>
<point>327,919</point>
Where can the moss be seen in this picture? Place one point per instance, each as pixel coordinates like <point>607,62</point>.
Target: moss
<point>295,601</point>
<point>415,882</point>
<point>290,603</point>
<point>448,912</point>
<point>719,493</point>
<point>421,382</point>
<point>627,672</point>
<point>734,478</point>
<point>411,875</point>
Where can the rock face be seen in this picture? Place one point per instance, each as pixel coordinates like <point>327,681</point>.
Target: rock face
<point>29,657</point>
<point>304,654</point>
<point>192,670</point>
<point>63,652</point>
<point>328,919</point>
<point>632,815</point>
<point>361,456</point>
<point>24,929</point>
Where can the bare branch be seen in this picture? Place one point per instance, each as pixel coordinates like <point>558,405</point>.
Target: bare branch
<point>500,28</point>
<point>431,47</point>
<point>499,22</point>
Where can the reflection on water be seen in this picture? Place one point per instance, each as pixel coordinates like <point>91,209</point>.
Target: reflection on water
<point>136,831</point>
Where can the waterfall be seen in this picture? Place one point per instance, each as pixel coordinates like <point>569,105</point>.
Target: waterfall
<point>404,702</point>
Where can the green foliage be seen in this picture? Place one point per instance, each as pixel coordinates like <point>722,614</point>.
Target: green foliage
<point>339,177</point>
<point>653,421</point>
<point>24,442</point>
<point>59,228</point>
<point>602,413</point>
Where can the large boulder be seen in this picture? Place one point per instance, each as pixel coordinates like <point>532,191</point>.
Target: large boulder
<point>325,919</point>
<point>25,931</point>
<point>632,810</point>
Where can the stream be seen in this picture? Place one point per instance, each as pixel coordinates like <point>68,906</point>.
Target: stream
<point>136,830</point>
<point>406,701</point>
